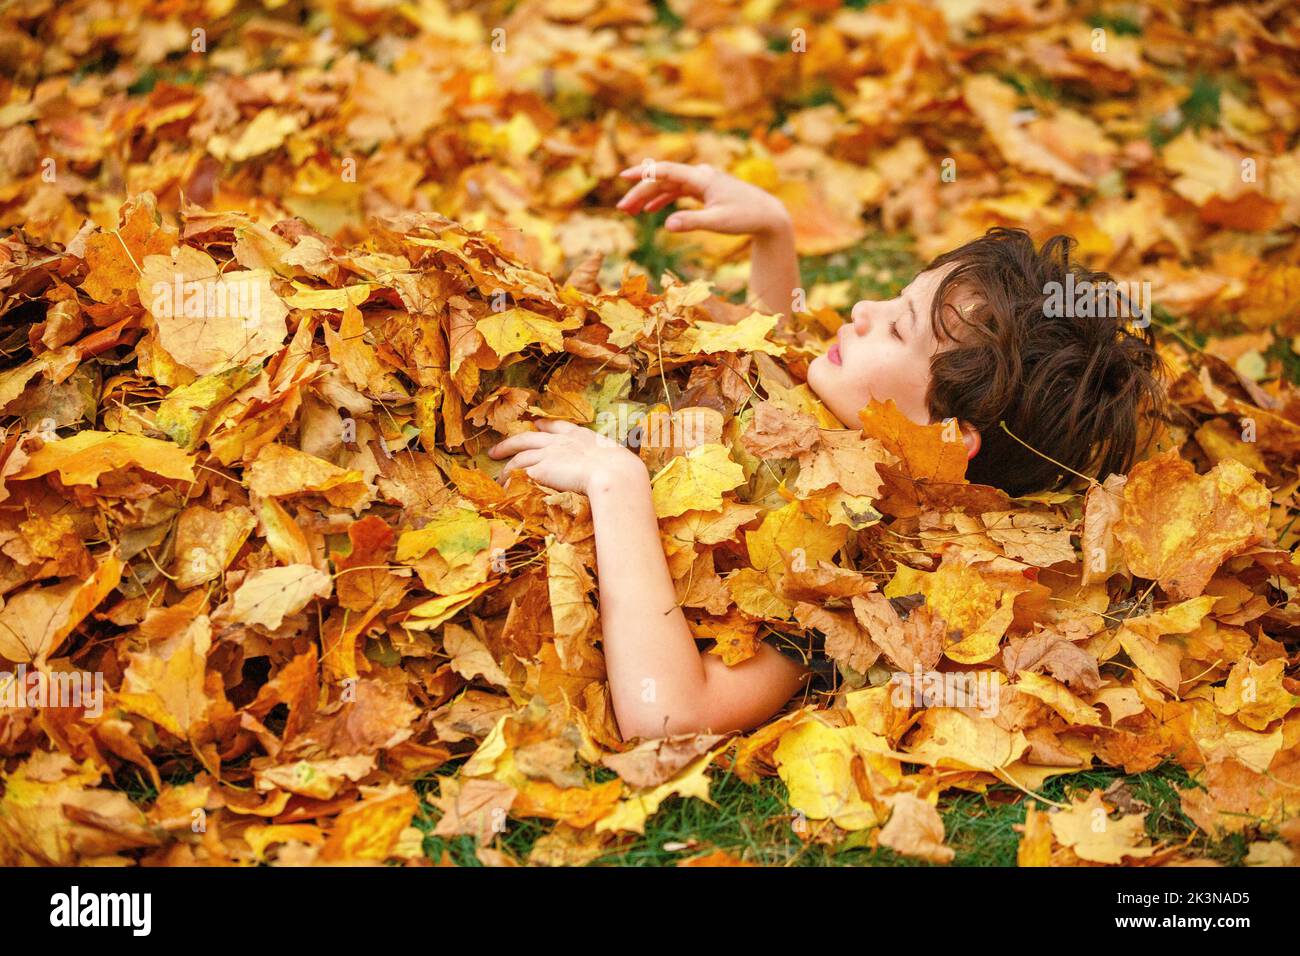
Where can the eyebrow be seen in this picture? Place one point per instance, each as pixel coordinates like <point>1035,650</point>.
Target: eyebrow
<point>912,309</point>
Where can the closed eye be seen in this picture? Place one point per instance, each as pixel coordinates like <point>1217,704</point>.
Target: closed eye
<point>893,330</point>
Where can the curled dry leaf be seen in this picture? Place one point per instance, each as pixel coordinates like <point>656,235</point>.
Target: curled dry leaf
<point>261,325</point>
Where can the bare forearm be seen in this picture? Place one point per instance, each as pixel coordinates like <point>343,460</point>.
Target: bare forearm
<point>659,683</point>
<point>774,268</point>
<point>656,676</point>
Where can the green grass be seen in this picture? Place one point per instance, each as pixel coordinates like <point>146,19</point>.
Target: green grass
<point>1165,323</point>
<point>1119,24</point>
<point>1034,87</point>
<point>133,781</point>
<point>878,267</point>
<point>651,255</point>
<point>668,122</point>
<point>753,822</point>
<point>1281,350</point>
<point>980,826</point>
<point>665,16</point>
<point>1199,110</point>
<point>178,76</point>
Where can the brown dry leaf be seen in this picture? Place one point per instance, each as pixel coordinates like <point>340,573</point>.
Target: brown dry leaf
<point>262,326</point>
<point>209,320</point>
<point>1177,527</point>
<point>1035,847</point>
<point>35,622</point>
<point>653,762</point>
<point>266,597</point>
<point>915,829</point>
<point>1035,537</point>
<point>779,432</point>
<point>474,807</point>
<point>1088,830</point>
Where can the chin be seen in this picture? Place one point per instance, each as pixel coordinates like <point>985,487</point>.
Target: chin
<point>818,371</point>
<point>821,379</point>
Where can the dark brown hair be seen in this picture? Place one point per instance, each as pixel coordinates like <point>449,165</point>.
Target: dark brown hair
<point>1072,387</point>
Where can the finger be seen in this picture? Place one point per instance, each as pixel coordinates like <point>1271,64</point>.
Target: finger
<point>534,472</point>
<point>639,171</point>
<point>517,443</point>
<point>686,220</point>
<point>654,205</point>
<point>557,426</point>
<point>636,197</point>
<point>693,178</point>
<point>522,460</point>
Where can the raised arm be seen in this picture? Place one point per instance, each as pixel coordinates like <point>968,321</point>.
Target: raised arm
<point>731,206</point>
<point>659,681</point>
<point>774,267</point>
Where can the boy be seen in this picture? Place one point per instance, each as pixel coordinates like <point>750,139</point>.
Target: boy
<point>969,338</point>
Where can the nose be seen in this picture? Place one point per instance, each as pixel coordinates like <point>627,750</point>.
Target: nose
<point>861,316</point>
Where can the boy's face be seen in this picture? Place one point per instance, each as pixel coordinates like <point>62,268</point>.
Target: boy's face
<point>882,352</point>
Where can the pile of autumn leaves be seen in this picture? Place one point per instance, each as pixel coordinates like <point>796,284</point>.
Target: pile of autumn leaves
<point>284,549</point>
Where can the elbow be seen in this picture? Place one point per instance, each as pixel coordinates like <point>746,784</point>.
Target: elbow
<point>660,725</point>
<point>630,731</point>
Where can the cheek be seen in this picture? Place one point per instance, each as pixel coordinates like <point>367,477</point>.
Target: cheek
<point>909,383</point>
<point>890,373</point>
<point>885,374</point>
<point>848,388</point>
<point>866,375</point>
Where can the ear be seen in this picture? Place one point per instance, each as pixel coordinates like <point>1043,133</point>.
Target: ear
<point>970,437</point>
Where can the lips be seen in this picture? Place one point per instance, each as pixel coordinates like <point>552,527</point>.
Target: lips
<point>835,355</point>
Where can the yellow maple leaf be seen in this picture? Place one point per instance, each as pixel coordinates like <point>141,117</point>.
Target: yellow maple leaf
<point>1088,830</point>
<point>747,335</point>
<point>513,330</point>
<point>816,762</point>
<point>930,452</point>
<point>695,481</point>
<point>1177,527</point>
<point>1254,693</point>
<point>80,459</point>
<point>1035,848</point>
<point>1058,697</point>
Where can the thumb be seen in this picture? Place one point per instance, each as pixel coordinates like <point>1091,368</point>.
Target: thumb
<point>689,219</point>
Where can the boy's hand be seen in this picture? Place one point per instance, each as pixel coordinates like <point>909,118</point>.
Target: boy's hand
<point>568,457</point>
<point>730,204</point>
